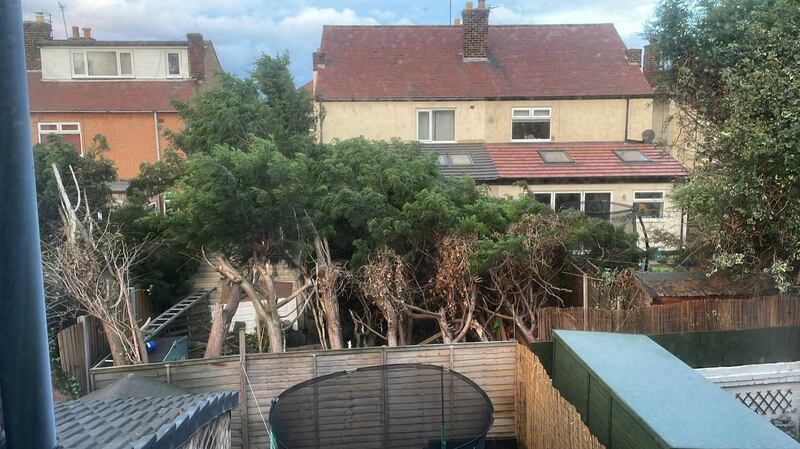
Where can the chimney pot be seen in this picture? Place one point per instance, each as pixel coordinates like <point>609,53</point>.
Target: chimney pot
<point>481,4</point>
<point>76,32</point>
<point>469,5</point>
<point>457,22</point>
<point>87,33</point>
<point>39,17</point>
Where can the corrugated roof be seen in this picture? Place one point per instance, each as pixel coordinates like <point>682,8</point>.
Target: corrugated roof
<point>481,168</point>
<point>125,419</point>
<point>106,96</point>
<point>591,161</point>
<point>678,404</point>
<point>524,61</point>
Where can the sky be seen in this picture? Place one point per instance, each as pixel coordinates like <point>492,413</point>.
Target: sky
<point>241,30</point>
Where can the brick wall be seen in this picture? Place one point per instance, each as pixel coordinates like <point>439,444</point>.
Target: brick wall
<point>650,65</point>
<point>197,68</point>
<point>475,31</point>
<point>35,32</point>
<point>634,56</point>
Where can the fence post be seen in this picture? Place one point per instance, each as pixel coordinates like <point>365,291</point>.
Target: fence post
<point>87,352</point>
<point>243,387</point>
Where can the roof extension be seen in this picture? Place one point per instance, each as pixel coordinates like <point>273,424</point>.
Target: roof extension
<point>480,167</point>
<point>106,96</point>
<point>524,61</point>
<point>589,161</point>
<point>679,405</point>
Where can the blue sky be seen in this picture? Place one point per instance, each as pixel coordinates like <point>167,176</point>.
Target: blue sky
<point>243,29</point>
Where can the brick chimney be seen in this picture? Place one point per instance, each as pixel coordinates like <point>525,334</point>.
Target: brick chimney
<point>650,65</point>
<point>197,53</point>
<point>318,60</point>
<point>87,34</point>
<point>34,33</point>
<point>76,33</point>
<point>475,32</point>
<point>634,56</point>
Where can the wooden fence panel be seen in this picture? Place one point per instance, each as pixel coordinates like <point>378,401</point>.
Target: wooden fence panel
<point>686,316</point>
<point>490,365</point>
<point>544,419</point>
<point>73,344</point>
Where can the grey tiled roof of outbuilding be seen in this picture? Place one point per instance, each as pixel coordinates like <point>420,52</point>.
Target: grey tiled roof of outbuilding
<point>165,422</point>
<point>481,169</point>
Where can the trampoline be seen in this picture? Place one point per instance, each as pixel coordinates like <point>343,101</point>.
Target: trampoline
<point>382,407</point>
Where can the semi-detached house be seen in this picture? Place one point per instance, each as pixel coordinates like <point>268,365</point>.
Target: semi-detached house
<point>565,108</point>
<point>79,87</point>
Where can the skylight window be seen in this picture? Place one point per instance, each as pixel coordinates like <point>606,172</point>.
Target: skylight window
<point>454,160</point>
<point>555,157</point>
<point>631,156</point>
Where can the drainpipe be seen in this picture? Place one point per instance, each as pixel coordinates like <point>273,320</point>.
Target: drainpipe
<point>627,111</point>
<point>27,395</point>
<point>158,140</point>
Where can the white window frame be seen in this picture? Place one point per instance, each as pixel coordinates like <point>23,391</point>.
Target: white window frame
<point>180,64</point>
<point>583,193</point>
<point>662,200</point>
<point>59,131</point>
<point>84,52</point>
<point>430,125</point>
<point>531,118</point>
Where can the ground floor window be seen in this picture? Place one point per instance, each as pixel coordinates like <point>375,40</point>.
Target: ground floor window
<point>649,204</point>
<point>593,204</point>
<point>69,131</point>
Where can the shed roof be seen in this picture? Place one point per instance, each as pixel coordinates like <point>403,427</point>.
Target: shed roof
<point>692,284</point>
<point>679,405</point>
<point>524,61</point>
<point>157,417</point>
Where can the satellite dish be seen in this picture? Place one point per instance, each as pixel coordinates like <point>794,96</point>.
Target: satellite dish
<point>648,136</point>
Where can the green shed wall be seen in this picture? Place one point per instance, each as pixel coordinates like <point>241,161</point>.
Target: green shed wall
<point>606,417</point>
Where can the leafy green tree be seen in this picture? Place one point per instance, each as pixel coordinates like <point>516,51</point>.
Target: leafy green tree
<point>93,171</point>
<point>265,104</point>
<point>733,66</point>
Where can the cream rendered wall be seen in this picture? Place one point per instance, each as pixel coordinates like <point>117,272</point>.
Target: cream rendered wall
<point>488,120</point>
<point>148,62</point>
<point>621,193</point>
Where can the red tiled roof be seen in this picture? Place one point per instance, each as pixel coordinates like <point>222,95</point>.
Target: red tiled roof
<point>105,96</point>
<point>525,61</point>
<point>591,161</point>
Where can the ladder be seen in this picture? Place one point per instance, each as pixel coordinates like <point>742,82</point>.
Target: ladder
<point>161,322</point>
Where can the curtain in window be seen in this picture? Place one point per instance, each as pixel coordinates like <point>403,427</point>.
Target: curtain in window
<point>102,63</point>
<point>444,126</point>
<point>423,125</point>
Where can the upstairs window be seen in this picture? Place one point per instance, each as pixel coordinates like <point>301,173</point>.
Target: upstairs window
<point>649,204</point>
<point>173,64</point>
<point>436,125</point>
<point>70,132</point>
<point>530,124</point>
<point>102,64</point>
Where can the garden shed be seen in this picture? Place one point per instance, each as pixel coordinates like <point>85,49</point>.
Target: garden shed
<point>633,393</point>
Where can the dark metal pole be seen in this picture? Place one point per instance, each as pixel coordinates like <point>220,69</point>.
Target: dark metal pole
<point>24,363</point>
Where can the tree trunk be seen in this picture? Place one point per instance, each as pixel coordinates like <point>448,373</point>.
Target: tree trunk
<point>223,314</point>
<point>118,354</point>
<point>326,285</point>
<point>273,321</point>
<point>391,329</point>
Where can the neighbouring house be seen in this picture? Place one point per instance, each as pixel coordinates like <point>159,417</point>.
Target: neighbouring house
<point>79,87</point>
<point>670,287</point>
<point>137,412</point>
<point>563,112</point>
